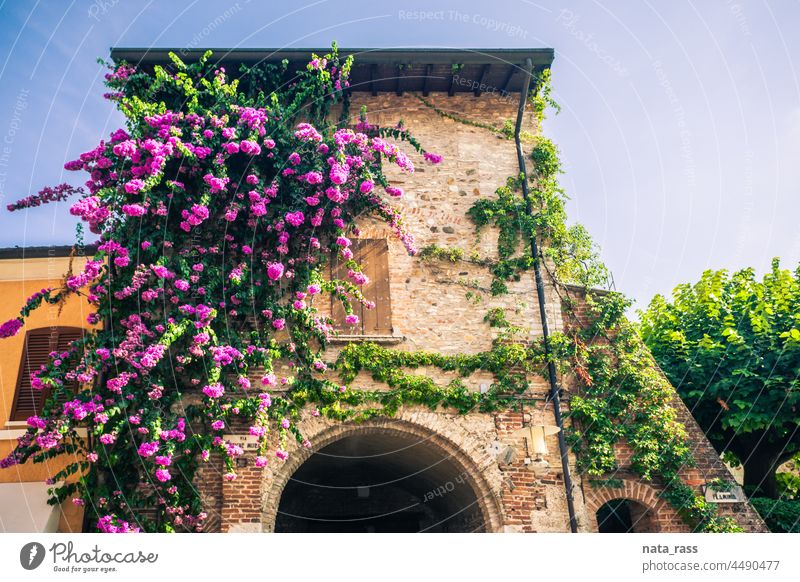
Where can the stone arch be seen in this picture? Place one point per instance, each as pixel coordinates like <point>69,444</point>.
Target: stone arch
<point>650,513</point>
<point>470,456</point>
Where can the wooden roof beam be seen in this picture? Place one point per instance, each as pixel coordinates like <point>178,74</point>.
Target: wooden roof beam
<point>425,88</point>
<point>504,88</point>
<point>484,73</point>
<point>373,69</point>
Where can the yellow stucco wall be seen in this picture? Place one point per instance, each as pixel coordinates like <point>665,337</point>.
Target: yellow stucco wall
<point>19,279</point>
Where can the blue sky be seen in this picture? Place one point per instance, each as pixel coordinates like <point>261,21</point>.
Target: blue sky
<point>680,128</point>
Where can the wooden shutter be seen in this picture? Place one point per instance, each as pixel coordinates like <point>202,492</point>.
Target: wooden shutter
<point>338,270</point>
<point>373,256</point>
<point>36,353</point>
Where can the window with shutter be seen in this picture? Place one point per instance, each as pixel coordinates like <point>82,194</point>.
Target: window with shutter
<point>373,256</point>
<point>38,345</point>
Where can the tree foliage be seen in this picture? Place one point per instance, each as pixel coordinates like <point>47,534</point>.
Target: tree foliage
<point>730,344</point>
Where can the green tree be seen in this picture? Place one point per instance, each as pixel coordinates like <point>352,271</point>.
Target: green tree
<point>731,346</point>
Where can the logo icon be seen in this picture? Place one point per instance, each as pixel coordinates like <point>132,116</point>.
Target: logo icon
<point>31,555</point>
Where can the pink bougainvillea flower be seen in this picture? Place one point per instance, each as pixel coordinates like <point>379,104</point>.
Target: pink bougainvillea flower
<point>216,184</point>
<point>125,149</point>
<point>295,218</point>
<point>10,327</point>
<point>258,431</point>
<point>334,194</point>
<point>433,158</point>
<point>134,186</point>
<point>45,195</point>
<point>338,174</point>
<point>148,449</point>
<point>358,277</point>
<point>275,271</point>
<point>250,148</point>
<point>307,132</point>
<point>214,390</point>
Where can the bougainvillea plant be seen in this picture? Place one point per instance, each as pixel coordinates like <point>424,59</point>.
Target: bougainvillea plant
<point>216,209</point>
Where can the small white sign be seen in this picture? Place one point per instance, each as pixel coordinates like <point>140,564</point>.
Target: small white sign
<point>734,495</point>
<point>248,442</point>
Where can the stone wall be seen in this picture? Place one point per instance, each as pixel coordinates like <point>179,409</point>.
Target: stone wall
<point>431,311</point>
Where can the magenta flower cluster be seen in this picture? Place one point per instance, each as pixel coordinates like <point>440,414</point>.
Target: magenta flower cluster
<point>45,196</point>
<point>215,223</point>
<point>10,327</point>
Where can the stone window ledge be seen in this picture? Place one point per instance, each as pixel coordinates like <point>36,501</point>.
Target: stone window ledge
<point>378,339</point>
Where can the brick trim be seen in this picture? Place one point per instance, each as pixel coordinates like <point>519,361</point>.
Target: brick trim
<point>658,515</point>
<point>488,500</point>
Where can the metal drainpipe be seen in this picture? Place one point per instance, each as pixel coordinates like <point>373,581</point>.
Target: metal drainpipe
<point>551,367</point>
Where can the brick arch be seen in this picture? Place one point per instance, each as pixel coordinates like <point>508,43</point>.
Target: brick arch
<point>656,515</point>
<point>474,465</point>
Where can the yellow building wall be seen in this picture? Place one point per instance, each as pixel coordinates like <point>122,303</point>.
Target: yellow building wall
<point>19,279</point>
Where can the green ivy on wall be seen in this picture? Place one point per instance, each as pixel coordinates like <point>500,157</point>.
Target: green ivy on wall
<point>623,396</point>
<point>510,363</point>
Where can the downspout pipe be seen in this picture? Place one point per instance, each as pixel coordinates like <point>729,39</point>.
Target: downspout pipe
<point>555,391</point>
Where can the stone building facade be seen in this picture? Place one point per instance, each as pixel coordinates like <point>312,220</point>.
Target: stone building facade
<point>438,470</point>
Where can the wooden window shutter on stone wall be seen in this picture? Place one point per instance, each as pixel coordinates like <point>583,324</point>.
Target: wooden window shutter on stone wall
<point>373,256</point>
<point>38,345</point>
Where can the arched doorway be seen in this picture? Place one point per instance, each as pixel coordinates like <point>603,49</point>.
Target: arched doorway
<point>381,480</point>
<point>624,516</point>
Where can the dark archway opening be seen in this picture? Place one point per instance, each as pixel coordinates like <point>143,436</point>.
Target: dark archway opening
<point>624,516</point>
<point>380,482</point>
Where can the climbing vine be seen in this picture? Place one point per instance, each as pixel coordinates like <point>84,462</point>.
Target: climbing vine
<point>510,363</point>
<point>569,249</point>
<point>216,209</point>
<point>434,252</point>
<point>464,121</point>
<point>625,398</point>
<point>623,395</point>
